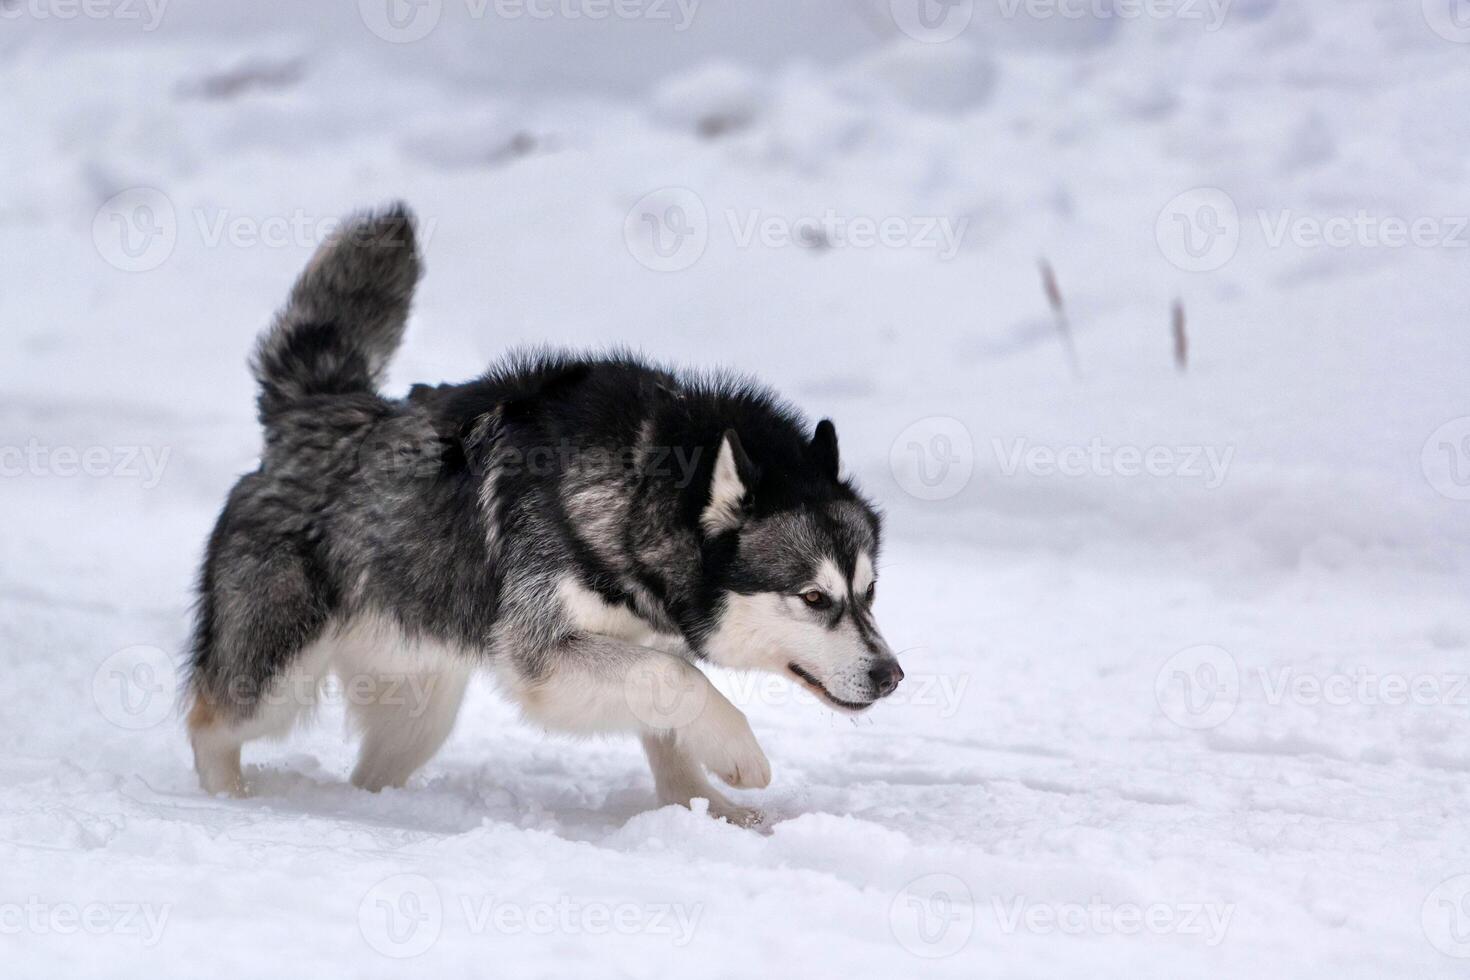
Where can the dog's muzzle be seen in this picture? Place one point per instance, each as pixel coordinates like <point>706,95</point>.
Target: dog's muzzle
<point>885,678</point>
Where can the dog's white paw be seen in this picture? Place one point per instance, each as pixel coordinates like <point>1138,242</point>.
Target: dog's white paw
<point>708,800</point>
<point>724,744</point>
<point>224,785</point>
<point>740,816</point>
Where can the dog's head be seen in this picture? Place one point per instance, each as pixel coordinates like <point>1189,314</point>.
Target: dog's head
<point>793,551</point>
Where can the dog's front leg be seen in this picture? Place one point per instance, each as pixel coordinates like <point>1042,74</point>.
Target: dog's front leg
<point>680,780</point>
<point>595,684</point>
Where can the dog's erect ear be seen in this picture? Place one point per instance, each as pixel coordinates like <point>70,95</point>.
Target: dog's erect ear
<point>824,448</point>
<point>729,487</point>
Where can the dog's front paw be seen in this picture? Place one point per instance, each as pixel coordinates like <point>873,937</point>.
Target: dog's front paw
<point>740,816</point>
<point>727,747</point>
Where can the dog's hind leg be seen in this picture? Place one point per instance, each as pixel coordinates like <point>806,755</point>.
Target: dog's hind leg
<point>400,735</point>
<point>257,660</point>
<point>398,738</point>
<point>402,696</point>
<point>220,726</point>
<point>216,750</point>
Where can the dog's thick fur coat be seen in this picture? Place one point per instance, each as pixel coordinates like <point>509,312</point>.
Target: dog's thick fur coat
<point>586,526</point>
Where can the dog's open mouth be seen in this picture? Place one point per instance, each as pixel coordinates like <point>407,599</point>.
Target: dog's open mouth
<point>815,686</point>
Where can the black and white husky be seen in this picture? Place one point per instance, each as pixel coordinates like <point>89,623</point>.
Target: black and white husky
<point>588,527</point>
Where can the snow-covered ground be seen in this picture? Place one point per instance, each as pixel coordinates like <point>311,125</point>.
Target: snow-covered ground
<point>1188,652</point>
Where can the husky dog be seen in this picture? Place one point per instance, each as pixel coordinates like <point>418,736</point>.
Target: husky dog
<point>588,527</point>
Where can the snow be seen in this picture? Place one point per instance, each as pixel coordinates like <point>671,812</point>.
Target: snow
<point>1187,653</point>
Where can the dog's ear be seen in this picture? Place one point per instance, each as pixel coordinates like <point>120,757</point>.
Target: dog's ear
<point>729,487</point>
<point>824,448</point>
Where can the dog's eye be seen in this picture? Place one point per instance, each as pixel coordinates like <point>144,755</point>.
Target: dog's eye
<point>871,594</point>
<point>816,599</point>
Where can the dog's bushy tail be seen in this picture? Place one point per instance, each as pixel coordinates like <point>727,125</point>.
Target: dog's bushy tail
<point>346,314</point>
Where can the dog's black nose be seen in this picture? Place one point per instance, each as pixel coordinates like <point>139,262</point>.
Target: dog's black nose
<point>885,678</point>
